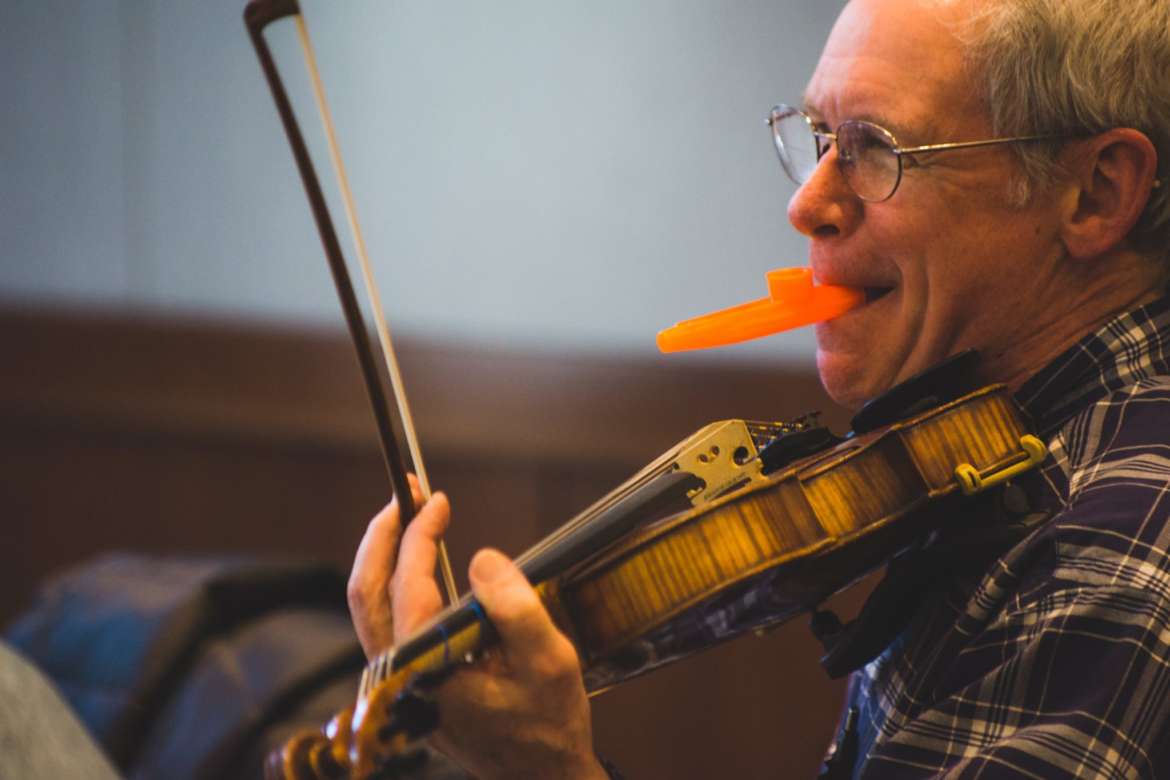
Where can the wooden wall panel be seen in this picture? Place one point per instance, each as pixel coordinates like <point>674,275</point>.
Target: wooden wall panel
<point>178,437</point>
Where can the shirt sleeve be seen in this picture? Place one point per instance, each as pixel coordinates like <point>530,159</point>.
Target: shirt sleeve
<point>1059,666</point>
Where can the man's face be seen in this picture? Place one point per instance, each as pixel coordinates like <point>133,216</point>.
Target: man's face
<point>948,261</point>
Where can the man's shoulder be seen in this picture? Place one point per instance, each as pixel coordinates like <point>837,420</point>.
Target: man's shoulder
<point>1114,460</point>
<point>1121,438</point>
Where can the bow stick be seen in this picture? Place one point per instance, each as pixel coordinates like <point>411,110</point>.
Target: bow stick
<point>257,15</point>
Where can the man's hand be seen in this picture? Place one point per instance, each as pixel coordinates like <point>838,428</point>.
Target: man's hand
<point>383,595</point>
<point>522,711</point>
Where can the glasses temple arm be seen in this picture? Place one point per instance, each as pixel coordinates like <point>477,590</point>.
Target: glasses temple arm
<point>972,144</point>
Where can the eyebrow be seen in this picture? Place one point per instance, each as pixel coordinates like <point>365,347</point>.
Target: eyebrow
<point>923,130</point>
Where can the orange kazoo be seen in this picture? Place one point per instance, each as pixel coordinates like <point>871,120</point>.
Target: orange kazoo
<point>793,301</point>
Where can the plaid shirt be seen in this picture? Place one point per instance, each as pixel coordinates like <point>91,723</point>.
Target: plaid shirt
<point>1055,661</point>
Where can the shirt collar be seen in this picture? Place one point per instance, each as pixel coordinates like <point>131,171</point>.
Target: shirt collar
<point>1126,350</point>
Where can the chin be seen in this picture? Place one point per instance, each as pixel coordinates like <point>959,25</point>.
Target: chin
<point>845,380</point>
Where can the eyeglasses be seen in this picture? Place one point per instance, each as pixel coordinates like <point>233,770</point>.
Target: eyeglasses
<point>868,155</point>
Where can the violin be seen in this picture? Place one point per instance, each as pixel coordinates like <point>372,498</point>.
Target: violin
<point>739,510</point>
<point>621,578</point>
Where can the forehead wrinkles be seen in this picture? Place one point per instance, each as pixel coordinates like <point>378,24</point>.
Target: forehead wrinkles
<point>893,60</point>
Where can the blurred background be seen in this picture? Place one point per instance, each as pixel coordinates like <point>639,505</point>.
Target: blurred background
<point>542,188</point>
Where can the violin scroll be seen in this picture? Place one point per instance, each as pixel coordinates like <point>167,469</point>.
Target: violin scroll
<point>314,755</point>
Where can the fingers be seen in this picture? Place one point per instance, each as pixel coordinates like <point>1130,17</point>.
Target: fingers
<point>532,645</point>
<point>416,593</point>
<point>368,590</point>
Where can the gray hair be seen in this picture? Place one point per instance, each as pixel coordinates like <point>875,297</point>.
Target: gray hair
<point>1071,67</point>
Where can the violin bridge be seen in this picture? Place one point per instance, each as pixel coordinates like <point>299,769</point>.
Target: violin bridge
<point>724,455</point>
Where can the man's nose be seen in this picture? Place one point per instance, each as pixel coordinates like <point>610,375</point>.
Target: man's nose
<point>825,206</point>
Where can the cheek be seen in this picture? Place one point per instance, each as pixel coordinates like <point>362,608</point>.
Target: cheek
<point>988,302</point>
<point>977,281</point>
<point>951,257</point>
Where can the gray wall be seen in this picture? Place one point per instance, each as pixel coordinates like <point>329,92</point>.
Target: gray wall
<point>559,175</point>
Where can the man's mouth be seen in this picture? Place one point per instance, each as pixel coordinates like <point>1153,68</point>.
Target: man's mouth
<point>876,293</point>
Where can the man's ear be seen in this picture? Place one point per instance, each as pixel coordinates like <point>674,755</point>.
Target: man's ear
<point>1112,176</point>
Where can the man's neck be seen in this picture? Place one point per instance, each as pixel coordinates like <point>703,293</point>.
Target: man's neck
<point>1085,305</point>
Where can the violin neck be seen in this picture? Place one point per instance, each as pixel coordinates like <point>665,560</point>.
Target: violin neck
<point>463,630</point>
<point>717,458</point>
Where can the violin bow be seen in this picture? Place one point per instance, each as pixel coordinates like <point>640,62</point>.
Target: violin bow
<point>258,14</point>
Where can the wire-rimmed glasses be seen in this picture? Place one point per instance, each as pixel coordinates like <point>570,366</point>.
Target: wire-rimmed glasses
<point>868,155</point>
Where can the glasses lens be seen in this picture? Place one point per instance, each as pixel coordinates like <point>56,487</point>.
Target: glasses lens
<point>796,143</point>
<point>865,154</point>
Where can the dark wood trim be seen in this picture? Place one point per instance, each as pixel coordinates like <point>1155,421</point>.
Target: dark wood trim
<point>213,380</point>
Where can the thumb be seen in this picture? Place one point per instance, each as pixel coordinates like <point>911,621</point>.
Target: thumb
<point>525,628</point>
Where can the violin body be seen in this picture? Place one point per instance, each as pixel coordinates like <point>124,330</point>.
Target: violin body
<point>803,534</point>
<point>797,536</point>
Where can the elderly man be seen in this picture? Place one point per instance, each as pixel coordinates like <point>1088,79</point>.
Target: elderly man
<point>994,173</point>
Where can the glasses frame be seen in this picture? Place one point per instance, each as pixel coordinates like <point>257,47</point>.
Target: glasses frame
<point>783,111</point>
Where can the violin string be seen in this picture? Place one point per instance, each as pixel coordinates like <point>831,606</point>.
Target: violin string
<point>584,517</point>
<point>381,327</point>
<point>381,666</point>
<point>660,465</point>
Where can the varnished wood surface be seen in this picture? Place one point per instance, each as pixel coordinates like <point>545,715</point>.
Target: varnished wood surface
<point>800,516</point>
<point>187,436</point>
